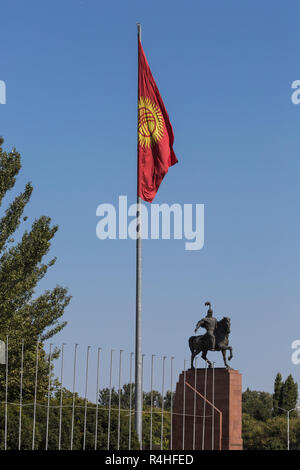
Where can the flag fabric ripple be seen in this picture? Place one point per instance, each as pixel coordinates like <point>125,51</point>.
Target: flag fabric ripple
<point>155,133</point>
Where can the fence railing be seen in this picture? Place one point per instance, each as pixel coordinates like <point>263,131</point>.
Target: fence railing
<point>68,398</point>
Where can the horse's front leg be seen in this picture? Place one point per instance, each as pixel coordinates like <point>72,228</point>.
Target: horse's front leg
<point>192,361</point>
<point>224,358</point>
<point>205,358</point>
<point>231,355</point>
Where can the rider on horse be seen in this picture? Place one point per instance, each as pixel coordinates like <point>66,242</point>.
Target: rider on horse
<point>215,338</point>
<point>209,323</point>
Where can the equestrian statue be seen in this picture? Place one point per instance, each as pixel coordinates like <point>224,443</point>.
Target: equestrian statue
<point>215,338</point>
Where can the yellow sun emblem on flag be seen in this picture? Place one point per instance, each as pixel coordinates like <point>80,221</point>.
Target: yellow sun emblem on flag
<point>150,122</point>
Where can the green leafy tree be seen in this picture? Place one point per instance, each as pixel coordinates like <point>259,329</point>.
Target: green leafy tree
<point>285,395</point>
<point>125,393</point>
<point>264,432</point>
<point>24,316</point>
<point>257,404</point>
<point>169,398</point>
<point>269,435</point>
<point>277,395</point>
<point>65,420</point>
<point>289,394</point>
<point>104,397</point>
<point>253,431</point>
<point>128,391</point>
<point>156,399</point>
<point>158,430</point>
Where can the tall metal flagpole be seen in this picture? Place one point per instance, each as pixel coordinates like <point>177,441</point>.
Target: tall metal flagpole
<point>138,331</point>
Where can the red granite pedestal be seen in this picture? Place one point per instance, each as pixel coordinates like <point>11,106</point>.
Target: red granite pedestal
<point>196,423</point>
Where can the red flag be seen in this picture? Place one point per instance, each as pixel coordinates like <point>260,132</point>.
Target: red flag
<point>155,134</point>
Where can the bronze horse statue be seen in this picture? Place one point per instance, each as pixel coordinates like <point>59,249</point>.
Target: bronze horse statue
<point>199,343</point>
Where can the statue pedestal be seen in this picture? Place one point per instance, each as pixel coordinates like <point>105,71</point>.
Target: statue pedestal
<point>197,424</point>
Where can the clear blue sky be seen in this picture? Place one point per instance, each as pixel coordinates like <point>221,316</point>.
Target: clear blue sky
<point>224,70</point>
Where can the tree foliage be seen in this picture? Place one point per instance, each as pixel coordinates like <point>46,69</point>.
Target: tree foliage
<point>265,418</point>
<point>277,395</point>
<point>84,429</point>
<point>271,434</point>
<point>258,405</point>
<point>23,315</point>
<point>161,421</point>
<point>127,391</point>
<point>289,394</point>
<point>285,395</point>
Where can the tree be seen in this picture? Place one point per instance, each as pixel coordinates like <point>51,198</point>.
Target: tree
<point>129,390</point>
<point>269,435</point>
<point>156,399</point>
<point>106,396</point>
<point>264,430</point>
<point>169,398</point>
<point>285,395</point>
<point>24,316</point>
<point>75,425</point>
<point>289,394</point>
<point>277,396</point>
<point>253,431</point>
<point>258,405</point>
<point>125,393</point>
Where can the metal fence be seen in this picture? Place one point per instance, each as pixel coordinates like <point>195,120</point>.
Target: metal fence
<point>83,398</point>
